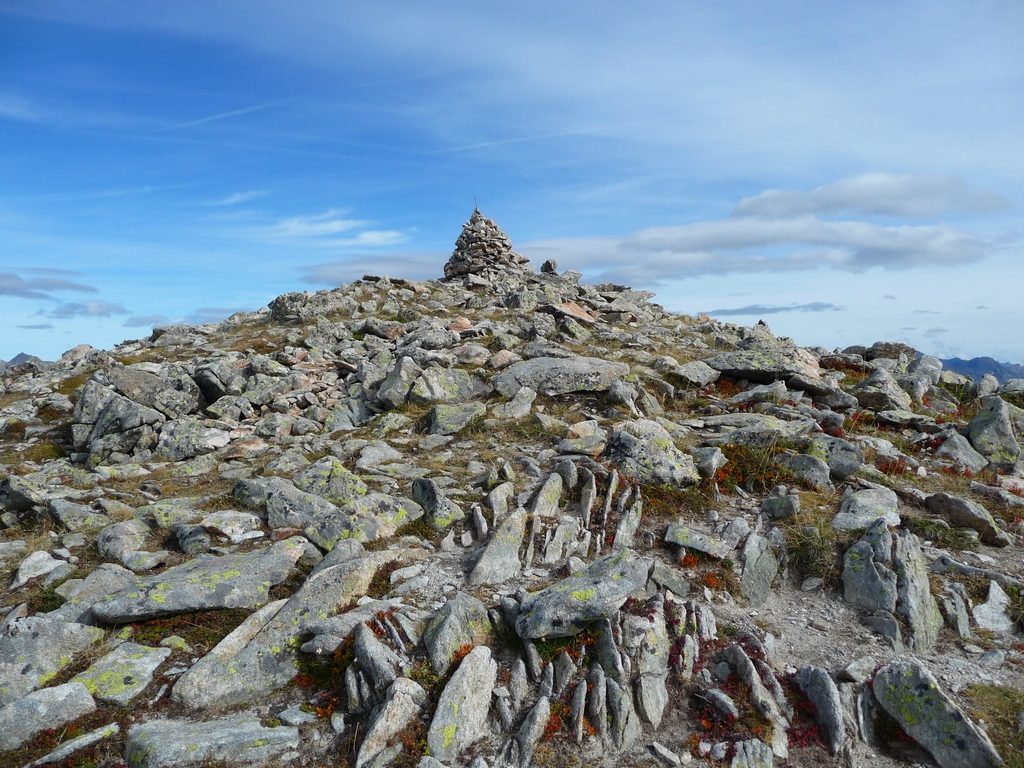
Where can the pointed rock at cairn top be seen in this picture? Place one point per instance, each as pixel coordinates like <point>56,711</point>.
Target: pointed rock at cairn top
<point>483,248</point>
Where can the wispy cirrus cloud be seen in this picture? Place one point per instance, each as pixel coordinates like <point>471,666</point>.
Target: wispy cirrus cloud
<point>36,327</point>
<point>881,194</point>
<point>204,315</point>
<point>237,198</point>
<point>13,284</point>
<point>19,108</point>
<point>330,229</point>
<point>86,309</point>
<point>145,321</point>
<point>785,232</point>
<point>774,309</point>
<point>413,266</point>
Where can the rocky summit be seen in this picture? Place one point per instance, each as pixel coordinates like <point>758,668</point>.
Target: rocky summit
<point>506,518</point>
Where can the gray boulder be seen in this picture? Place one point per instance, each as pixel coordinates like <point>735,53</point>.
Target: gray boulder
<point>911,695</point>
<point>993,434</point>
<point>440,511</point>
<point>260,656</point>
<point>809,471</point>
<point>881,392</point>
<point>819,687</point>
<point>760,567</point>
<point>843,457</point>
<point>499,560</point>
<point>34,649</point>
<point>461,715</point>
<point>643,449</point>
<point>683,536</point>
<point>453,418</point>
<point>238,740</point>
<point>958,450</point>
<point>25,718</point>
<point>460,621</point>
<point>569,606</point>
<point>859,510</point>
<point>402,705</point>
<point>558,376</point>
<point>965,513</point>
<point>446,385</point>
<point>767,359</point>
<point>187,438</point>
<point>887,576</point>
<point>123,673</point>
<point>232,581</point>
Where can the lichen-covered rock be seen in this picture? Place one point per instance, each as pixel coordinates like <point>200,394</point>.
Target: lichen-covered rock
<point>682,535</point>
<point>911,695</point>
<point>760,567</point>
<point>500,559</point>
<point>460,718</point>
<point>881,392</point>
<point>569,606</point>
<point>239,740</point>
<point>402,705</point>
<point>260,656</point>
<point>446,385</point>
<point>230,581</point>
<point>643,449</point>
<point>859,510</point>
<point>453,418</point>
<point>459,622</point>
<point>26,717</point>
<point>34,649</point>
<point>558,376</point>
<point>965,513</point>
<point>765,362</point>
<point>992,431</point>
<point>123,673</point>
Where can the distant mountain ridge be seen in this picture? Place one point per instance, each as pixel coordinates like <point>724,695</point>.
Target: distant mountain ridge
<point>977,367</point>
<point>18,359</point>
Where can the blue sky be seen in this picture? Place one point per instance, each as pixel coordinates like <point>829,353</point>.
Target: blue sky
<point>846,171</point>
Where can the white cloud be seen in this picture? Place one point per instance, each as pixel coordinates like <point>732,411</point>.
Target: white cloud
<point>145,321</point>
<point>746,245</point>
<point>204,315</point>
<point>86,309</point>
<point>241,197</point>
<point>14,107</point>
<point>883,194</point>
<point>327,223</point>
<point>412,266</point>
<point>775,309</point>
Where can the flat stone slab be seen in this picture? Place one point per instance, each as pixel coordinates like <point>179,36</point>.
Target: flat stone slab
<point>237,740</point>
<point>23,719</point>
<point>34,649</point>
<point>559,376</point>
<point>232,581</point>
<point>123,673</point>
<point>260,656</point>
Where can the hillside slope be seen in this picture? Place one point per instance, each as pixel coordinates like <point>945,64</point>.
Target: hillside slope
<point>505,518</point>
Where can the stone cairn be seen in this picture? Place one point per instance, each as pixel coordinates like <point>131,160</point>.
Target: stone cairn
<point>483,249</point>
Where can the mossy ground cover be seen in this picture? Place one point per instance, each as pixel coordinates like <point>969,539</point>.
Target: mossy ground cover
<point>999,707</point>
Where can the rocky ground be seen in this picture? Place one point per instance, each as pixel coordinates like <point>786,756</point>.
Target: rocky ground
<point>506,519</point>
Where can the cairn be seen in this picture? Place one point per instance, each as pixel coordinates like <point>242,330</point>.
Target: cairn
<point>483,249</point>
